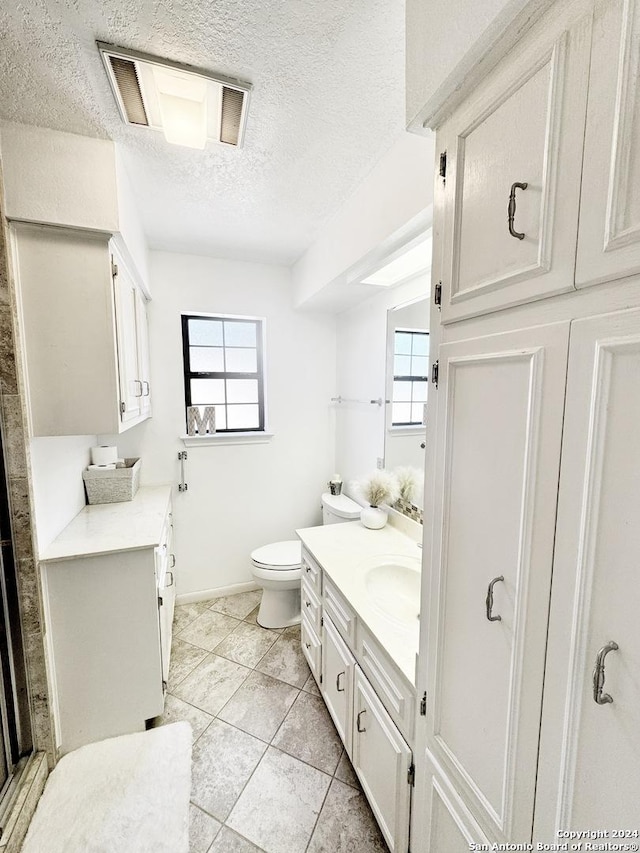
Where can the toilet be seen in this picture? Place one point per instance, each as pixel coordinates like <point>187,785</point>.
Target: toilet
<point>277,568</point>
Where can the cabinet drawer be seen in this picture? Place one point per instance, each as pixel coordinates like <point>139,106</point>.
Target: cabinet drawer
<point>311,572</point>
<point>340,612</point>
<point>311,648</point>
<point>396,694</point>
<point>311,607</point>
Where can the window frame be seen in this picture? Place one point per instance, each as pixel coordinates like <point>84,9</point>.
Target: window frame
<point>259,375</point>
<point>407,425</point>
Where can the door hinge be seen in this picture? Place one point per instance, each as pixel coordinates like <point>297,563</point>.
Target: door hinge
<point>114,268</point>
<point>442,171</point>
<point>320,678</point>
<point>164,686</point>
<point>411,774</point>
<point>322,621</point>
<point>122,407</point>
<point>437,294</point>
<point>423,705</point>
<point>159,601</point>
<point>435,369</point>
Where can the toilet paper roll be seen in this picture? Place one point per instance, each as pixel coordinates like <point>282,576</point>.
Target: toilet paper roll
<point>110,467</point>
<point>105,454</point>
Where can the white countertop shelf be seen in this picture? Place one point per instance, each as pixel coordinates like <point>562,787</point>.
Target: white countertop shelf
<point>345,551</point>
<point>107,528</point>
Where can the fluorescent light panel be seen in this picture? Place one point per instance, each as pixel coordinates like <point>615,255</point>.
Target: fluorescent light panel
<point>411,262</point>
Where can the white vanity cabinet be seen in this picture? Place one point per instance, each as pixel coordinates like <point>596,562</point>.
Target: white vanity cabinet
<point>83,321</point>
<point>609,228</point>
<point>510,164</point>
<point>372,703</point>
<point>108,607</point>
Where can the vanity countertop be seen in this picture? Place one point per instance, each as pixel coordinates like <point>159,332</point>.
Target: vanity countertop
<point>107,528</point>
<point>345,551</point>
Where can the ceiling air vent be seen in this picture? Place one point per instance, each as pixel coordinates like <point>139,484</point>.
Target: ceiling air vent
<point>190,106</point>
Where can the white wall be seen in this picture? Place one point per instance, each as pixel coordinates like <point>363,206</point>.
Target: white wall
<point>398,189</point>
<point>58,489</point>
<point>241,496</point>
<point>361,353</point>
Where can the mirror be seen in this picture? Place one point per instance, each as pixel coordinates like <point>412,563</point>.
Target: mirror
<point>407,384</point>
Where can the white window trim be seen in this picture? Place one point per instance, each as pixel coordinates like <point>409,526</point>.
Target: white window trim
<point>224,439</point>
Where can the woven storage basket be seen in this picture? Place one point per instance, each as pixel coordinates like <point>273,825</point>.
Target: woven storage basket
<point>113,485</point>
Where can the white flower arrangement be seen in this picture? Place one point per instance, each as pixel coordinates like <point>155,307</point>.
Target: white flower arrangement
<point>407,481</point>
<point>380,487</point>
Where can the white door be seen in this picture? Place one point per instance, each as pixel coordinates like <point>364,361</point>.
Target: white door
<point>609,236</point>
<point>589,774</point>
<point>131,387</point>
<point>337,681</point>
<point>382,759</point>
<point>142,350</point>
<point>498,437</point>
<point>513,163</point>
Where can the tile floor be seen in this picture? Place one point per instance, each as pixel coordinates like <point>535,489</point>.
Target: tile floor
<point>269,771</point>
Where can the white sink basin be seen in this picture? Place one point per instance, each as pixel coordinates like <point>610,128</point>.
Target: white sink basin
<point>393,585</point>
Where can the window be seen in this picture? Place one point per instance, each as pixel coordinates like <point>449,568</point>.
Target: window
<point>410,380</point>
<point>223,367</point>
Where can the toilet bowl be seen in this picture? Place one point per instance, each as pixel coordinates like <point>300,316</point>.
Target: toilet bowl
<point>277,568</point>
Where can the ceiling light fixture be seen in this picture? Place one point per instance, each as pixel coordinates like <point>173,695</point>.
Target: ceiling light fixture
<point>190,106</point>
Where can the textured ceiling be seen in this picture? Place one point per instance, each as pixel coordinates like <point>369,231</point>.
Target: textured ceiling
<point>327,102</point>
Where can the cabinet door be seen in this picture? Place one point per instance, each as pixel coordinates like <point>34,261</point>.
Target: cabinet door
<point>609,236</point>
<point>382,759</point>
<point>523,125</point>
<point>142,351</point>
<point>131,387</point>
<point>337,681</point>
<point>590,752</point>
<point>498,436</point>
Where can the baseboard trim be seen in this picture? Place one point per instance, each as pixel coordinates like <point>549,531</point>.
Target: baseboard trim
<point>217,592</point>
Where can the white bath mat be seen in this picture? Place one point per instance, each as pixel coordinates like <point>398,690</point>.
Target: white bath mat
<point>128,794</point>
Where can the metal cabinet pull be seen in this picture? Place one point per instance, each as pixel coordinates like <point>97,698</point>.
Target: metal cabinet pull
<point>169,584</point>
<point>173,561</point>
<point>517,185</point>
<point>598,674</point>
<point>338,688</point>
<point>489,600</point>
<point>308,603</point>
<point>358,721</point>
<point>148,391</point>
<point>307,569</point>
<point>139,382</point>
<point>308,645</point>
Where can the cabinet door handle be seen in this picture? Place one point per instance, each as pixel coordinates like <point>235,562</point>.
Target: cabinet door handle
<point>338,676</point>
<point>173,561</point>
<point>169,584</point>
<point>148,391</point>
<point>489,600</point>
<point>307,603</point>
<point>598,674</point>
<point>308,645</point>
<point>307,569</point>
<point>139,382</point>
<point>358,726</point>
<point>511,210</point>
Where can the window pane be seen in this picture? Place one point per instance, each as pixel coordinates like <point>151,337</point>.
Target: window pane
<point>402,365</point>
<point>221,417</point>
<point>242,360</point>
<point>242,391</point>
<point>417,411</point>
<point>420,344</point>
<point>206,392</point>
<point>403,343</point>
<point>206,359</point>
<point>239,334</point>
<point>401,392</point>
<point>401,413</point>
<point>419,365</point>
<point>243,417</point>
<point>419,392</point>
<point>205,333</point>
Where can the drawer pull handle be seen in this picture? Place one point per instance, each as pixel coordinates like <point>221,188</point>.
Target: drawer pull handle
<point>598,674</point>
<point>173,561</point>
<point>308,645</point>
<point>511,211</point>
<point>307,569</point>
<point>360,728</point>
<point>308,603</point>
<point>489,600</point>
<point>338,676</point>
<point>169,584</point>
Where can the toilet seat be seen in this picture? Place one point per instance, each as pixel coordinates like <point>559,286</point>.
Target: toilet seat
<point>279,556</point>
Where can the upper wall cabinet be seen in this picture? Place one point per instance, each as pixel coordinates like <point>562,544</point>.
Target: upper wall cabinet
<point>85,347</point>
<point>510,165</point>
<point>609,235</point>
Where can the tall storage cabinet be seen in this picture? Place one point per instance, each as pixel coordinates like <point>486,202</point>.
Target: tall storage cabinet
<point>529,657</point>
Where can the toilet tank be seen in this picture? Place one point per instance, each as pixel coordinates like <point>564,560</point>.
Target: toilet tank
<point>339,508</point>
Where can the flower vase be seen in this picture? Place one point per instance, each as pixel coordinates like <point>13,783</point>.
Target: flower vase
<point>373,517</point>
